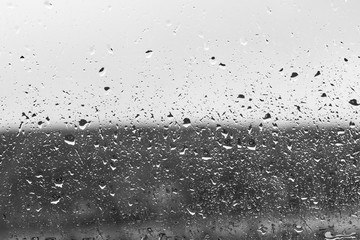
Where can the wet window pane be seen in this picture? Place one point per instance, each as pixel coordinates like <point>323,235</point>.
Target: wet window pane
<point>179,119</point>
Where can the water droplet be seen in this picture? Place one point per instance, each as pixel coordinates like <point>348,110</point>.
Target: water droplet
<point>102,72</point>
<point>60,185</point>
<point>294,74</point>
<point>183,150</point>
<point>262,229</point>
<point>341,131</point>
<point>252,145</point>
<point>70,139</point>
<point>148,53</point>
<point>267,116</point>
<point>83,124</point>
<point>298,229</point>
<point>112,166</point>
<point>59,182</point>
<point>102,184</point>
<point>170,116</point>
<point>206,155</point>
<point>227,144</point>
<point>329,235</point>
<point>192,213</point>
<point>110,49</point>
<point>40,124</point>
<point>289,145</point>
<point>57,199</point>
<point>222,66</point>
<point>224,133</point>
<point>186,122</point>
<point>212,60</point>
<point>354,102</point>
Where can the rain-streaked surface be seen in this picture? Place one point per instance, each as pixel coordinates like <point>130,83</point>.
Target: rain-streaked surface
<point>179,119</point>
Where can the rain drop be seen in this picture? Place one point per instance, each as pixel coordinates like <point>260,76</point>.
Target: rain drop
<point>110,49</point>
<point>298,229</point>
<point>83,124</point>
<point>102,72</point>
<point>262,230</point>
<point>227,144</point>
<point>186,122</point>
<point>354,102</point>
<point>294,74</point>
<point>192,213</point>
<point>170,116</point>
<point>251,145</point>
<point>40,124</point>
<point>56,199</point>
<point>70,139</point>
<point>212,60</point>
<point>267,116</point>
<point>148,53</point>
<point>222,65</point>
<point>206,155</point>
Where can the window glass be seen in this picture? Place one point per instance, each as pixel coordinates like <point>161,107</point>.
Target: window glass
<point>179,119</point>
